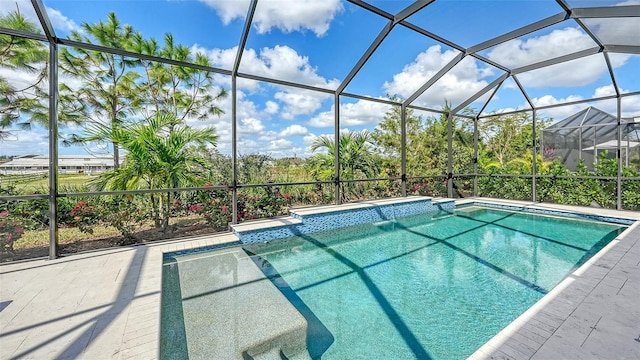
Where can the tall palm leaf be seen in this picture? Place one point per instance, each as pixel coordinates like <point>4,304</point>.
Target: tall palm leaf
<point>357,158</point>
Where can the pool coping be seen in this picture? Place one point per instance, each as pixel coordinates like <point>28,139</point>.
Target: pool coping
<point>56,309</point>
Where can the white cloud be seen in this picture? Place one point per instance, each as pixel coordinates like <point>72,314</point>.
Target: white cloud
<point>603,91</point>
<point>580,72</point>
<point>359,113</point>
<point>58,20</point>
<point>223,58</point>
<point>284,63</point>
<point>21,142</point>
<point>309,139</point>
<point>575,73</point>
<point>299,102</point>
<point>460,83</point>
<point>61,22</point>
<point>299,15</point>
<point>250,126</point>
<point>271,107</point>
<point>324,119</point>
<point>630,104</point>
<point>416,74</point>
<point>280,62</point>
<point>517,52</point>
<point>294,130</point>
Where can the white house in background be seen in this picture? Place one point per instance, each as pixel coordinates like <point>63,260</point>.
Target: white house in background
<point>67,164</point>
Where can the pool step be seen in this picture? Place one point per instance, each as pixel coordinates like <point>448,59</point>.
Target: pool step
<point>234,309</point>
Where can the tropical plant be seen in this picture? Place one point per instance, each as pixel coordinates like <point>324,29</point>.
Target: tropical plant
<point>159,156</point>
<point>356,154</point>
<point>387,137</point>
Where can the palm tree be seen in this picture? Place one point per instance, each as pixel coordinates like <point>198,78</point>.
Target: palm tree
<point>159,156</point>
<point>357,158</point>
<point>26,55</point>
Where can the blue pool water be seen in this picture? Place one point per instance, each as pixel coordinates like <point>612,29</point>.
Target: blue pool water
<point>430,286</point>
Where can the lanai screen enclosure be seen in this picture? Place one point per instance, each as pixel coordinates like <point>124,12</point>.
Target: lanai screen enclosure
<point>226,111</point>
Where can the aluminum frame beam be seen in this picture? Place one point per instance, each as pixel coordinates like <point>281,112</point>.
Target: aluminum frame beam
<point>234,109</point>
<point>533,27</point>
<point>410,10</point>
<point>53,150</point>
<point>482,91</point>
<point>625,49</point>
<point>367,54</point>
<point>41,12</point>
<point>23,34</point>
<point>606,12</point>
<point>437,76</point>
<point>558,60</point>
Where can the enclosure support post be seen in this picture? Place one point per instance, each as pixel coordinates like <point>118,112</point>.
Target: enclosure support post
<point>450,155</point>
<point>619,175</point>
<point>337,145</point>
<point>53,150</point>
<point>234,150</point>
<point>234,110</point>
<point>534,164</point>
<point>403,148</point>
<point>475,156</point>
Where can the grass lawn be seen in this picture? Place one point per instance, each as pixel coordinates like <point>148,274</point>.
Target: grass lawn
<point>40,238</point>
<point>64,180</point>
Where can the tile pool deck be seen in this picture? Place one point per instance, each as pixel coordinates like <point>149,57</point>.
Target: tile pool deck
<point>106,304</point>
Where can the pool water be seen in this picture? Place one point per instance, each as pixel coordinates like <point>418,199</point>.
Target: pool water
<point>434,286</point>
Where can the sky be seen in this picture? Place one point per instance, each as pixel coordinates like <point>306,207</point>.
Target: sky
<point>318,43</point>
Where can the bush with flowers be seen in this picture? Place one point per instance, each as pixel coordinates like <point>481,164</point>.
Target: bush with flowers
<point>10,231</point>
<point>84,215</point>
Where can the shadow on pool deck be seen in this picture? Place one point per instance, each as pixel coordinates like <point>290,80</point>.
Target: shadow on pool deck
<point>95,325</point>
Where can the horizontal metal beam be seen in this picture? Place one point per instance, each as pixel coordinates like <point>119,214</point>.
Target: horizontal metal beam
<point>609,97</point>
<point>23,197</point>
<point>285,184</point>
<point>538,25</point>
<point>24,34</point>
<point>367,98</point>
<point>285,83</point>
<point>557,60</point>
<point>626,49</point>
<point>121,52</point>
<point>606,12</point>
<point>422,108</point>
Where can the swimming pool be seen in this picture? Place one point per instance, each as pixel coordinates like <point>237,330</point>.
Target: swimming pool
<point>429,286</point>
